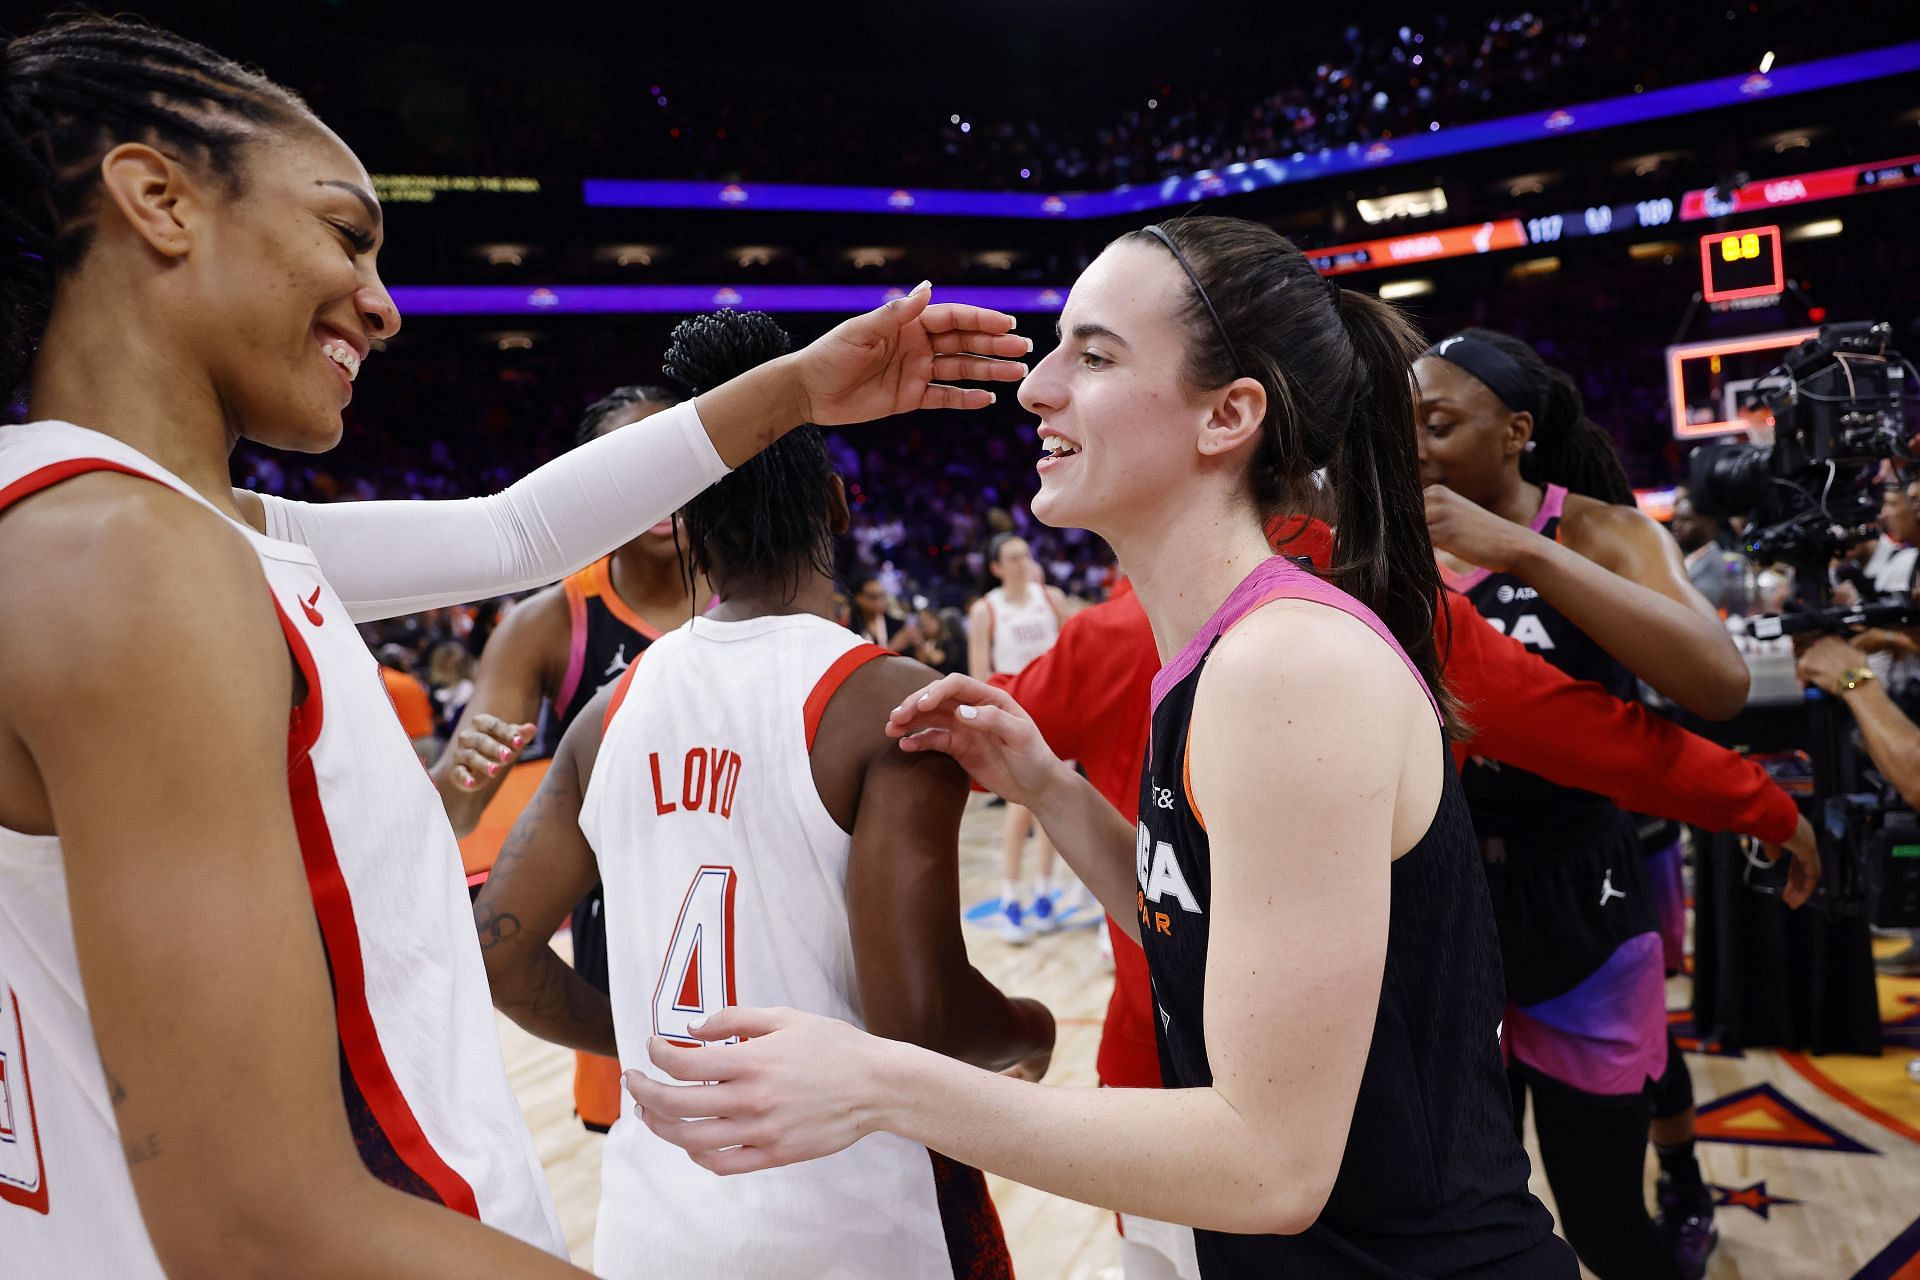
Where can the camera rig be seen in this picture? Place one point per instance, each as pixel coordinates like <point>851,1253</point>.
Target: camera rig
<point>1838,402</point>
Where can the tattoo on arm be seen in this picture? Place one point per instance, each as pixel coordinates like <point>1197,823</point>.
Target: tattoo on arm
<point>141,1150</point>
<point>496,927</point>
<point>116,1092</point>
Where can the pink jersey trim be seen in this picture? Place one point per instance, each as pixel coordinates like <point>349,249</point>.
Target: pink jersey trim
<point>1552,506</point>
<point>1276,578</point>
<point>576,643</point>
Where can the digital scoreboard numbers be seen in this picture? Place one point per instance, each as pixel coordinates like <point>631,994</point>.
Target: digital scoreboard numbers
<point>1741,264</point>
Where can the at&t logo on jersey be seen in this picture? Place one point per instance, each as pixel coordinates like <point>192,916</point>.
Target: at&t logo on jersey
<point>1158,872</point>
<point>1508,593</point>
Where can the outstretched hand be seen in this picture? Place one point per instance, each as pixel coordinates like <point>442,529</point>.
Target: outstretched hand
<point>985,731</point>
<point>796,1086</point>
<point>898,358</point>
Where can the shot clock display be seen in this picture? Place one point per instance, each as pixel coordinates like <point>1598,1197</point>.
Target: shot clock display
<point>1741,264</point>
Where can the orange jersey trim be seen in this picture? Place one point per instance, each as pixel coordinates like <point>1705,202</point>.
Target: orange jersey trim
<point>597,580</point>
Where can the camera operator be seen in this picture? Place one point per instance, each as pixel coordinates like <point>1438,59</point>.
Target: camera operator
<point>1843,669</point>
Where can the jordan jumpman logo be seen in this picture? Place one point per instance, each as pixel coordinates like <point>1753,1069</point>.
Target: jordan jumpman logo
<point>619,662</point>
<point>1607,891</point>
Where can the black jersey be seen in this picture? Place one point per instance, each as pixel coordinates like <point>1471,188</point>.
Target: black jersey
<point>1508,801</point>
<point>1433,1181</point>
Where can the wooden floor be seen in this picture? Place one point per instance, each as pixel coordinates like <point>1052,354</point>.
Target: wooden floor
<point>1817,1188</point>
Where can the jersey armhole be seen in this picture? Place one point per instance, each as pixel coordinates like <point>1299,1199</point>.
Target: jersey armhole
<point>620,692</point>
<point>1186,778</point>
<point>835,676</point>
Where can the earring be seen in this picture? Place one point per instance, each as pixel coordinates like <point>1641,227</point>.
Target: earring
<point>1530,446</point>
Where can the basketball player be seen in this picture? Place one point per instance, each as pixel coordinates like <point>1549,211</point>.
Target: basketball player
<point>1535,522</point>
<point>1008,627</point>
<point>759,838</point>
<point>1327,985</point>
<point>251,1030</point>
<point>555,649</point>
<point>1089,697</point>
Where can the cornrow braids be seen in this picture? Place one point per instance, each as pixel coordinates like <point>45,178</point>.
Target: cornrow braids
<point>603,410</point>
<point>69,94</point>
<point>772,515</point>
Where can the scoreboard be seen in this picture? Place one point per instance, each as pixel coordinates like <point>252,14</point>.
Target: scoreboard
<point>1741,264</point>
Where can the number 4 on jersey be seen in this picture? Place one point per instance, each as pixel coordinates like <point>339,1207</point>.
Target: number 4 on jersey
<point>697,979</point>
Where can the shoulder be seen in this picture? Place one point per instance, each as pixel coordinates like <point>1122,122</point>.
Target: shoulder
<point>125,580</point>
<point>1590,523</point>
<point>1307,660</point>
<point>532,622</point>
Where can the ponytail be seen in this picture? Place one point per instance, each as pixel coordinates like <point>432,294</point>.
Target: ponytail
<point>1383,556</point>
<point>1572,450</point>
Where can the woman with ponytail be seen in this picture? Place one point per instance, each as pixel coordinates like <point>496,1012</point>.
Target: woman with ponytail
<point>1536,525</point>
<point>1303,878</point>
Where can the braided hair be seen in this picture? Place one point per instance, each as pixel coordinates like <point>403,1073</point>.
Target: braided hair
<point>69,94</point>
<point>603,411</point>
<point>771,516</point>
<point>1569,448</point>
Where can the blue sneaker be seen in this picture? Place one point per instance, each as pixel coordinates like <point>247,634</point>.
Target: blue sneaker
<point>1012,924</point>
<point>1044,919</point>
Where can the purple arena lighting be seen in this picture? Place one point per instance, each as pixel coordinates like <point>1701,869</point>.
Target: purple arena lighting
<point>1257,175</point>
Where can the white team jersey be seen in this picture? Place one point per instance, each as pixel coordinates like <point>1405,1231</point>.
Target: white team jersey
<point>422,1074</point>
<point>726,883</point>
<point>1023,632</point>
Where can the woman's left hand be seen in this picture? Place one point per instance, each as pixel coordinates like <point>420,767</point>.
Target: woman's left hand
<point>1468,531</point>
<point>796,1086</point>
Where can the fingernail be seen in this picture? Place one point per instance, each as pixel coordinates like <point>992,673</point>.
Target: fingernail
<point>923,699</point>
<point>504,753</point>
<point>924,284</point>
<point>516,737</point>
<point>969,713</point>
<point>697,1026</point>
<point>492,769</point>
<point>1029,344</point>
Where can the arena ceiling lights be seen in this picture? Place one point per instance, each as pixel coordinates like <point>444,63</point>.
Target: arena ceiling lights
<point>1407,204</point>
<point>1366,255</point>
<point>1276,171</point>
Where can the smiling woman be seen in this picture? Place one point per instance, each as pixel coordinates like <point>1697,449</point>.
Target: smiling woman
<point>237,925</point>
<point>1328,987</point>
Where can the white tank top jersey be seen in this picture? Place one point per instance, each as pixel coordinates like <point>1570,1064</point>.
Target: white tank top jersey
<point>1023,632</point>
<point>425,1088</point>
<point>726,883</point>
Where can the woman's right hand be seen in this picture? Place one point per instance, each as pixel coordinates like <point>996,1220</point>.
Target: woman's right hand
<point>894,359</point>
<point>487,745</point>
<point>983,729</point>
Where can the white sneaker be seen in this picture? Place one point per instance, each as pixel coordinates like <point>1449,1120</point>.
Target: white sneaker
<point>1044,919</point>
<point>1011,924</point>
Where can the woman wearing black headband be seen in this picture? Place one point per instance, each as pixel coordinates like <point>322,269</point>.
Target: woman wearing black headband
<point>1323,957</point>
<point>1536,525</point>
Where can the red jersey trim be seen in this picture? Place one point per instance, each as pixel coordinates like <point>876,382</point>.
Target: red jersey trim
<point>53,473</point>
<point>836,675</point>
<point>36,1199</point>
<point>333,905</point>
<point>620,691</point>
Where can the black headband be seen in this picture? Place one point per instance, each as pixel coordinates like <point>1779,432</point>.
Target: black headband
<point>1506,377</point>
<point>1159,233</point>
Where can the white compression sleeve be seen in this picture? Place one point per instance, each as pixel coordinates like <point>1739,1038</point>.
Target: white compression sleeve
<point>385,559</point>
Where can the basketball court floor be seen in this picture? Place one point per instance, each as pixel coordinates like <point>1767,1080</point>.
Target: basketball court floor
<point>1816,1160</point>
